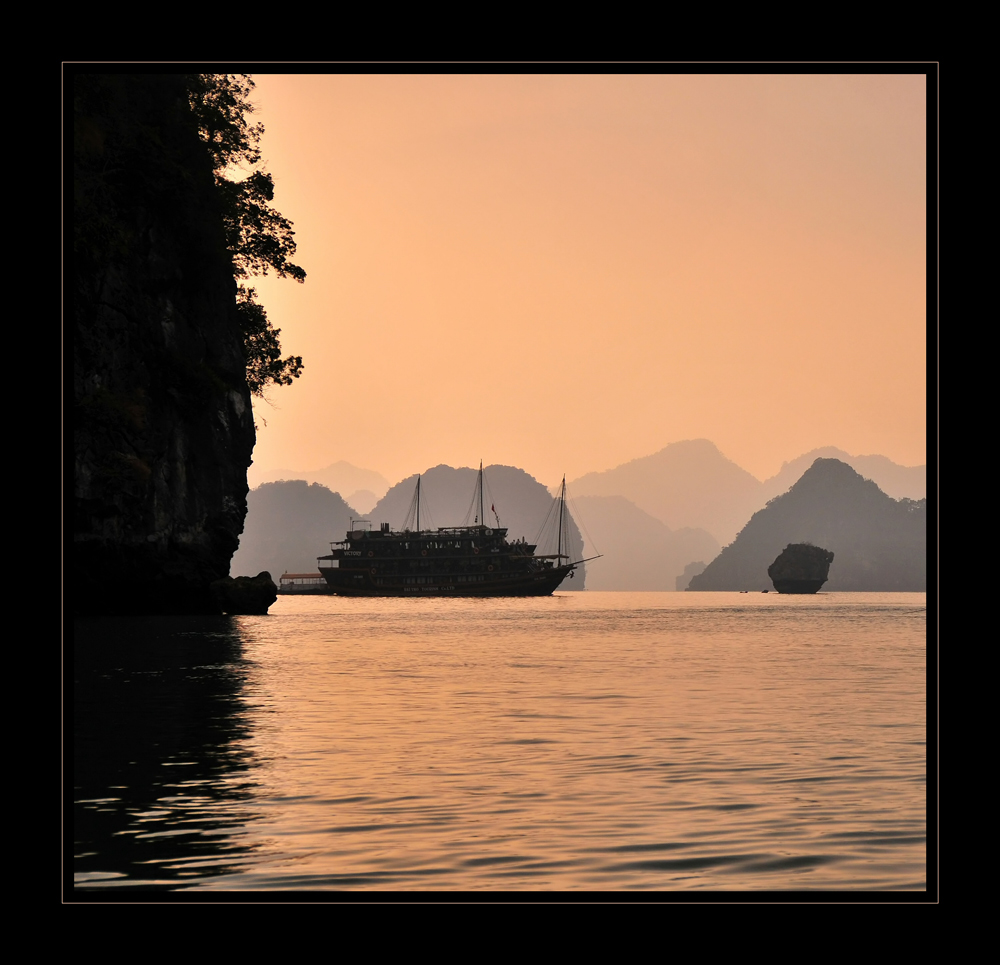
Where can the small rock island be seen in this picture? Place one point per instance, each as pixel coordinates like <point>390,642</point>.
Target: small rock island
<point>800,568</point>
<point>245,594</point>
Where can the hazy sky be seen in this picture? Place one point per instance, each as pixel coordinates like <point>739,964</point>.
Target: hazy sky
<point>566,272</point>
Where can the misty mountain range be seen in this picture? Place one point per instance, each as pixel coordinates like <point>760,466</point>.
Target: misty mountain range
<point>639,551</point>
<point>879,543</point>
<point>649,518</point>
<point>362,488</point>
<point>692,484</point>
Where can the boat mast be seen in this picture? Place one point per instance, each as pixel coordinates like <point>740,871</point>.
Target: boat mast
<point>562,503</point>
<point>482,517</point>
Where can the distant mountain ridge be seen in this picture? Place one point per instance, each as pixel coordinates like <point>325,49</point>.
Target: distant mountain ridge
<point>692,484</point>
<point>685,484</point>
<point>650,518</point>
<point>899,482</point>
<point>339,477</point>
<point>879,544</point>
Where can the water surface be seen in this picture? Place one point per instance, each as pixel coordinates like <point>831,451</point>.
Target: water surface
<point>580,742</point>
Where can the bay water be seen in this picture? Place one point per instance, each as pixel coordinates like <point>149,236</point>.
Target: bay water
<point>583,742</point>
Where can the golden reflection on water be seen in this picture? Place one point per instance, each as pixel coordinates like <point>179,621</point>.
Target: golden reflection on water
<point>587,741</point>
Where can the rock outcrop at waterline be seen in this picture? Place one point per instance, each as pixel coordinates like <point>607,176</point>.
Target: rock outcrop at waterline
<point>162,422</point>
<point>800,568</point>
<point>245,594</point>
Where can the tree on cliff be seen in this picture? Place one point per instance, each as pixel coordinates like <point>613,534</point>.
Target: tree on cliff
<point>259,237</point>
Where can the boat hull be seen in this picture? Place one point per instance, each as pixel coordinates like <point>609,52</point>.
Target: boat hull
<point>346,582</point>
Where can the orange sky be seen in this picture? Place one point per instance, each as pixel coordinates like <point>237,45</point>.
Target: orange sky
<point>566,272</point>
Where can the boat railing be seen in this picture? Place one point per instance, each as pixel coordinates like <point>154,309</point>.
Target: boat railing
<point>449,531</point>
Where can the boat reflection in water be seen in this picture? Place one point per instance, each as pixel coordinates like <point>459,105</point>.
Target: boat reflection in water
<point>475,560</point>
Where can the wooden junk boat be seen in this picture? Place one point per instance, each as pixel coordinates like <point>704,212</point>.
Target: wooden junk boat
<point>473,560</point>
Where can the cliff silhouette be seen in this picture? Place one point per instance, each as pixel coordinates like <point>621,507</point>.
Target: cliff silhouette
<point>879,543</point>
<point>162,422</point>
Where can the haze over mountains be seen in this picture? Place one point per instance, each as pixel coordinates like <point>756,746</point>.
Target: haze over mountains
<point>692,484</point>
<point>687,484</point>
<point>639,552</point>
<point>362,488</point>
<point>899,482</point>
<point>649,518</point>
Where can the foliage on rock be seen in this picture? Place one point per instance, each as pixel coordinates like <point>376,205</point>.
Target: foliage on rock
<point>265,366</point>
<point>258,236</point>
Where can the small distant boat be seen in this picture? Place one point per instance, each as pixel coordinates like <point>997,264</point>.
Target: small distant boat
<point>475,560</point>
<point>298,583</point>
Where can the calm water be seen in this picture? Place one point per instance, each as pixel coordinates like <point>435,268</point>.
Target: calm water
<point>585,741</point>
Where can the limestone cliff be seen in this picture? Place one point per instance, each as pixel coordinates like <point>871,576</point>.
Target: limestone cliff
<point>162,423</point>
<point>800,568</point>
